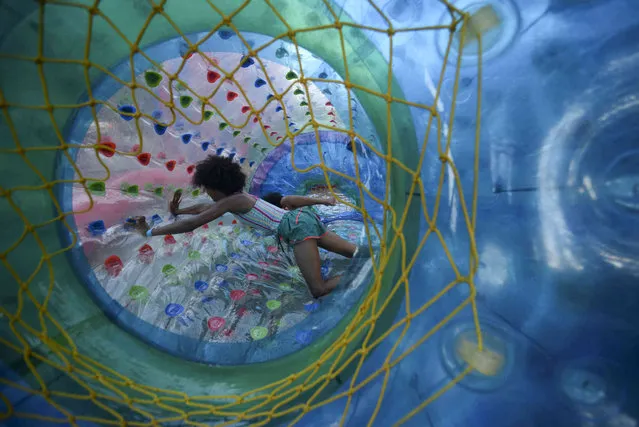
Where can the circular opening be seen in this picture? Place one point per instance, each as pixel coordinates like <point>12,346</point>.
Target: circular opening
<point>497,21</point>
<point>224,293</point>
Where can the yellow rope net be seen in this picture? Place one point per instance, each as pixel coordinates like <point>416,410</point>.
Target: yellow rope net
<point>293,397</point>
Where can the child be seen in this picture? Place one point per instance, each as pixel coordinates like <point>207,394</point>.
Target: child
<point>288,216</point>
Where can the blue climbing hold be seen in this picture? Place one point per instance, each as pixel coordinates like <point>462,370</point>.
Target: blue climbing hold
<point>223,284</point>
<point>201,285</point>
<point>247,242</point>
<point>303,337</point>
<point>205,146</point>
<point>269,96</point>
<point>327,91</point>
<point>156,219</point>
<point>247,61</point>
<point>259,83</point>
<point>173,309</point>
<point>251,164</point>
<point>323,75</point>
<point>311,306</point>
<point>291,124</point>
<point>159,129</point>
<point>186,138</point>
<point>278,108</point>
<point>225,34</point>
<point>242,160</point>
<point>221,268</point>
<point>156,114</point>
<point>235,255</point>
<point>219,151</point>
<point>207,300</point>
<point>97,228</point>
<point>128,109</point>
<point>231,156</point>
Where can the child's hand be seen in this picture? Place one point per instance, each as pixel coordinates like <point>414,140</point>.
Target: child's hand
<point>140,225</point>
<point>330,201</point>
<point>174,205</point>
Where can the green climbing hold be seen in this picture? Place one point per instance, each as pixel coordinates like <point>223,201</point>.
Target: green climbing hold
<point>195,192</point>
<point>259,332</point>
<point>130,190</point>
<point>291,75</point>
<point>247,139</point>
<point>236,229</point>
<point>152,78</point>
<point>308,113</point>
<point>208,115</point>
<point>138,292</point>
<point>273,304</point>
<point>223,126</point>
<point>168,270</point>
<point>263,149</point>
<point>303,104</point>
<point>256,145</point>
<point>185,101</point>
<point>97,188</point>
<point>236,132</point>
<point>159,191</point>
<point>285,286</point>
<point>298,91</point>
<point>193,254</point>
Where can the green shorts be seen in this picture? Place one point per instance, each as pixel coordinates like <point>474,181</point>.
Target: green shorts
<point>299,225</point>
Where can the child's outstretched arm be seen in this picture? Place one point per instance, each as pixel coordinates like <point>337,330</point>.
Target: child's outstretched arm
<point>294,202</point>
<point>213,212</point>
<point>174,206</point>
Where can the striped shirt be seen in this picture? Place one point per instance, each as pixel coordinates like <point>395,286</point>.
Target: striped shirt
<point>263,216</point>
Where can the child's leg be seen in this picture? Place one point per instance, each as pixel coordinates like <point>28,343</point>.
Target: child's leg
<point>308,260</point>
<point>333,243</point>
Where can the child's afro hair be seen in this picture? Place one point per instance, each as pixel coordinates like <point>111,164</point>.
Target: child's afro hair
<point>219,173</point>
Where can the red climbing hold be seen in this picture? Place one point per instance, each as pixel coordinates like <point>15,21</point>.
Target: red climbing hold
<point>215,323</point>
<point>255,119</point>
<point>241,312</point>
<point>234,222</point>
<point>230,96</point>
<point>267,127</point>
<point>107,152</point>
<point>190,169</point>
<point>273,133</point>
<point>169,239</point>
<point>113,265</point>
<point>328,104</point>
<point>278,138</point>
<point>170,165</point>
<point>246,109</point>
<point>220,223</point>
<point>228,332</point>
<point>330,113</point>
<point>205,226</point>
<point>255,292</point>
<point>145,254</point>
<point>162,155</point>
<point>237,294</point>
<point>144,158</point>
<point>212,76</point>
<point>189,234</point>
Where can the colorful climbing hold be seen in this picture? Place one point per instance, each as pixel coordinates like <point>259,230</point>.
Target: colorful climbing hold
<point>236,132</point>
<point>152,78</point>
<point>155,220</point>
<point>212,76</point>
<point>130,190</point>
<point>259,82</point>
<point>96,228</point>
<point>185,101</point>
<point>190,169</point>
<point>193,254</point>
<point>222,126</point>
<point>145,254</point>
<point>291,75</point>
<point>328,104</point>
<point>298,91</point>
<point>272,249</point>
<point>304,337</point>
<point>241,312</point>
<point>208,115</point>
<point>242,160</point>
<point>219,151</point>
<point>251,164</point>
<point>273,133</point>
<point>263,264</point>
<point>245,109</point>
<point>138,293</point>
<point>230,96</point>
<point>246,61</point>
<point>97,187</point>
<point>327,91</point>
<point>144,158</point>
<point>237,294</point>
<point>251,276</point>
<point>269,96</point>
<point>281,52</point>
<point>311,306</point>
<point>225,34</point>
<point>186,138</point>
<point>223,284</point>
<point>221,268</point>
<point>273,304</point>
<point>200,285</point>
<point>173,309</point>
<point>259,332</point>
<point>215,323</point>
<point>247,139</point>
<point>168,270</point>
<point>323,75</point>
<point>107,149</point>
<point>127,112</point>
<point>205,145</point>
<point>170,165</point>
<point>285,286</point>
<point>158,191</point>
<point>303,104</point>
<point>113,265</point>
<point>278,108</point>
<point>169,239</point>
